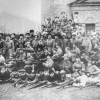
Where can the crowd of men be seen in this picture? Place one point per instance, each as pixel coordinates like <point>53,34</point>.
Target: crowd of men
<point>61,54</point>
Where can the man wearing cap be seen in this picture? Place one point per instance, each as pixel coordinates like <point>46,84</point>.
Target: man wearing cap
<point>94,40</point>
<point>28,46</point>
<point>13,38</point>
<point>35,43</point>
<point>95,56</point>
<point>19,51</point>
<point>49,25</point>
<point>32,33</point>
<point>42,42</point>
<point>87,44</point>
<point>49,43</point>
<point>57,41</point>
<point>21,41</point>
<point>28,50</point>
<point>27,37</point>
<point>79,41</point>
<point>9,47</point>
<point>73,40</point>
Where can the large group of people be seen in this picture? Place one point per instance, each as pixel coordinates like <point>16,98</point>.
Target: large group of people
<point>61,54</point>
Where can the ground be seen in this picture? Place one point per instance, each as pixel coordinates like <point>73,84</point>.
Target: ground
<point>8,92</point>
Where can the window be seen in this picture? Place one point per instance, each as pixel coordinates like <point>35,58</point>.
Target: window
<point>90,27</point>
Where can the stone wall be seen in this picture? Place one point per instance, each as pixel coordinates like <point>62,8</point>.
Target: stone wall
<point>88,15</point>
<point>49,9</point>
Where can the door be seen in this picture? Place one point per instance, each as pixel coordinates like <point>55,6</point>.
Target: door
<point>90,27</point>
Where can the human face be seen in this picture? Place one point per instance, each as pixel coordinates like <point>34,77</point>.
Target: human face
<point>52,74</point>
<point>57,46</point>
<point>77,59</point>
<point>28,45</point>
<point>12,36</point>
<point>3,70</point>
<point>41,37</point>
<point>41,73</point>
<point>49,36</point>
<point>21,37</point>
<point>46,52</point>
<point>64,36</point>
<point>62,76</point>
<point>89,64</point>
<point>66,50</point>
<point>73,36</point>
<point>36,37</point>
<point>8,37</point>
<point>20,45</point>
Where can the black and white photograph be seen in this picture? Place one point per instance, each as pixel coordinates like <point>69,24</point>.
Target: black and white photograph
<point>49,49</point>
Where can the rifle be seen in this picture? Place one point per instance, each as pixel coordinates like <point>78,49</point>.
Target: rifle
<point>27,50</point>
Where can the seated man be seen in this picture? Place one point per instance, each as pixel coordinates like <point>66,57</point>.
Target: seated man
<point>22,76</point>
<point>49,62</point>
<point>76,50</point>
<point>78,66</point>
<point>29,66</point>
<point>4,74</point>
<point>29,78</point>
<point>81,80</point>
<point>39,79</point>
<point>93,72</point>
<point>95,57</point>
<point>57,52</point>
<point>67,54</point>
<point>92,69</point>
<point>11,64</point>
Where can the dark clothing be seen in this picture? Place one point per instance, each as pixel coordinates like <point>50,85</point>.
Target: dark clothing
<point>52,79</point>
<point>28,69</point>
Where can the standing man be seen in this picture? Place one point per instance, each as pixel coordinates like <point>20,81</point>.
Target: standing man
<point>87,45</point>
<point>9,47</point>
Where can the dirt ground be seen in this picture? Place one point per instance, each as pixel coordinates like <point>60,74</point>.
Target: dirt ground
<point>8,92</point>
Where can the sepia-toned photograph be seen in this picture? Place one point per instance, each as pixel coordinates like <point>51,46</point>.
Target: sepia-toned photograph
<point>49,49</point>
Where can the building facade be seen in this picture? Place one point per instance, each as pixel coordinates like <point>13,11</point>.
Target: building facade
<point>87,13</point>
<point>51,8</point>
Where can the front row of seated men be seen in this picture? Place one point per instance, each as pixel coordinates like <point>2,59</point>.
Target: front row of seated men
<point>51,69</point>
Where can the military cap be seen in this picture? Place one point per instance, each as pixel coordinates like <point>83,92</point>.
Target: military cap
<point>31,31</point>
<point>21,35</point>
<point>27,33</point>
